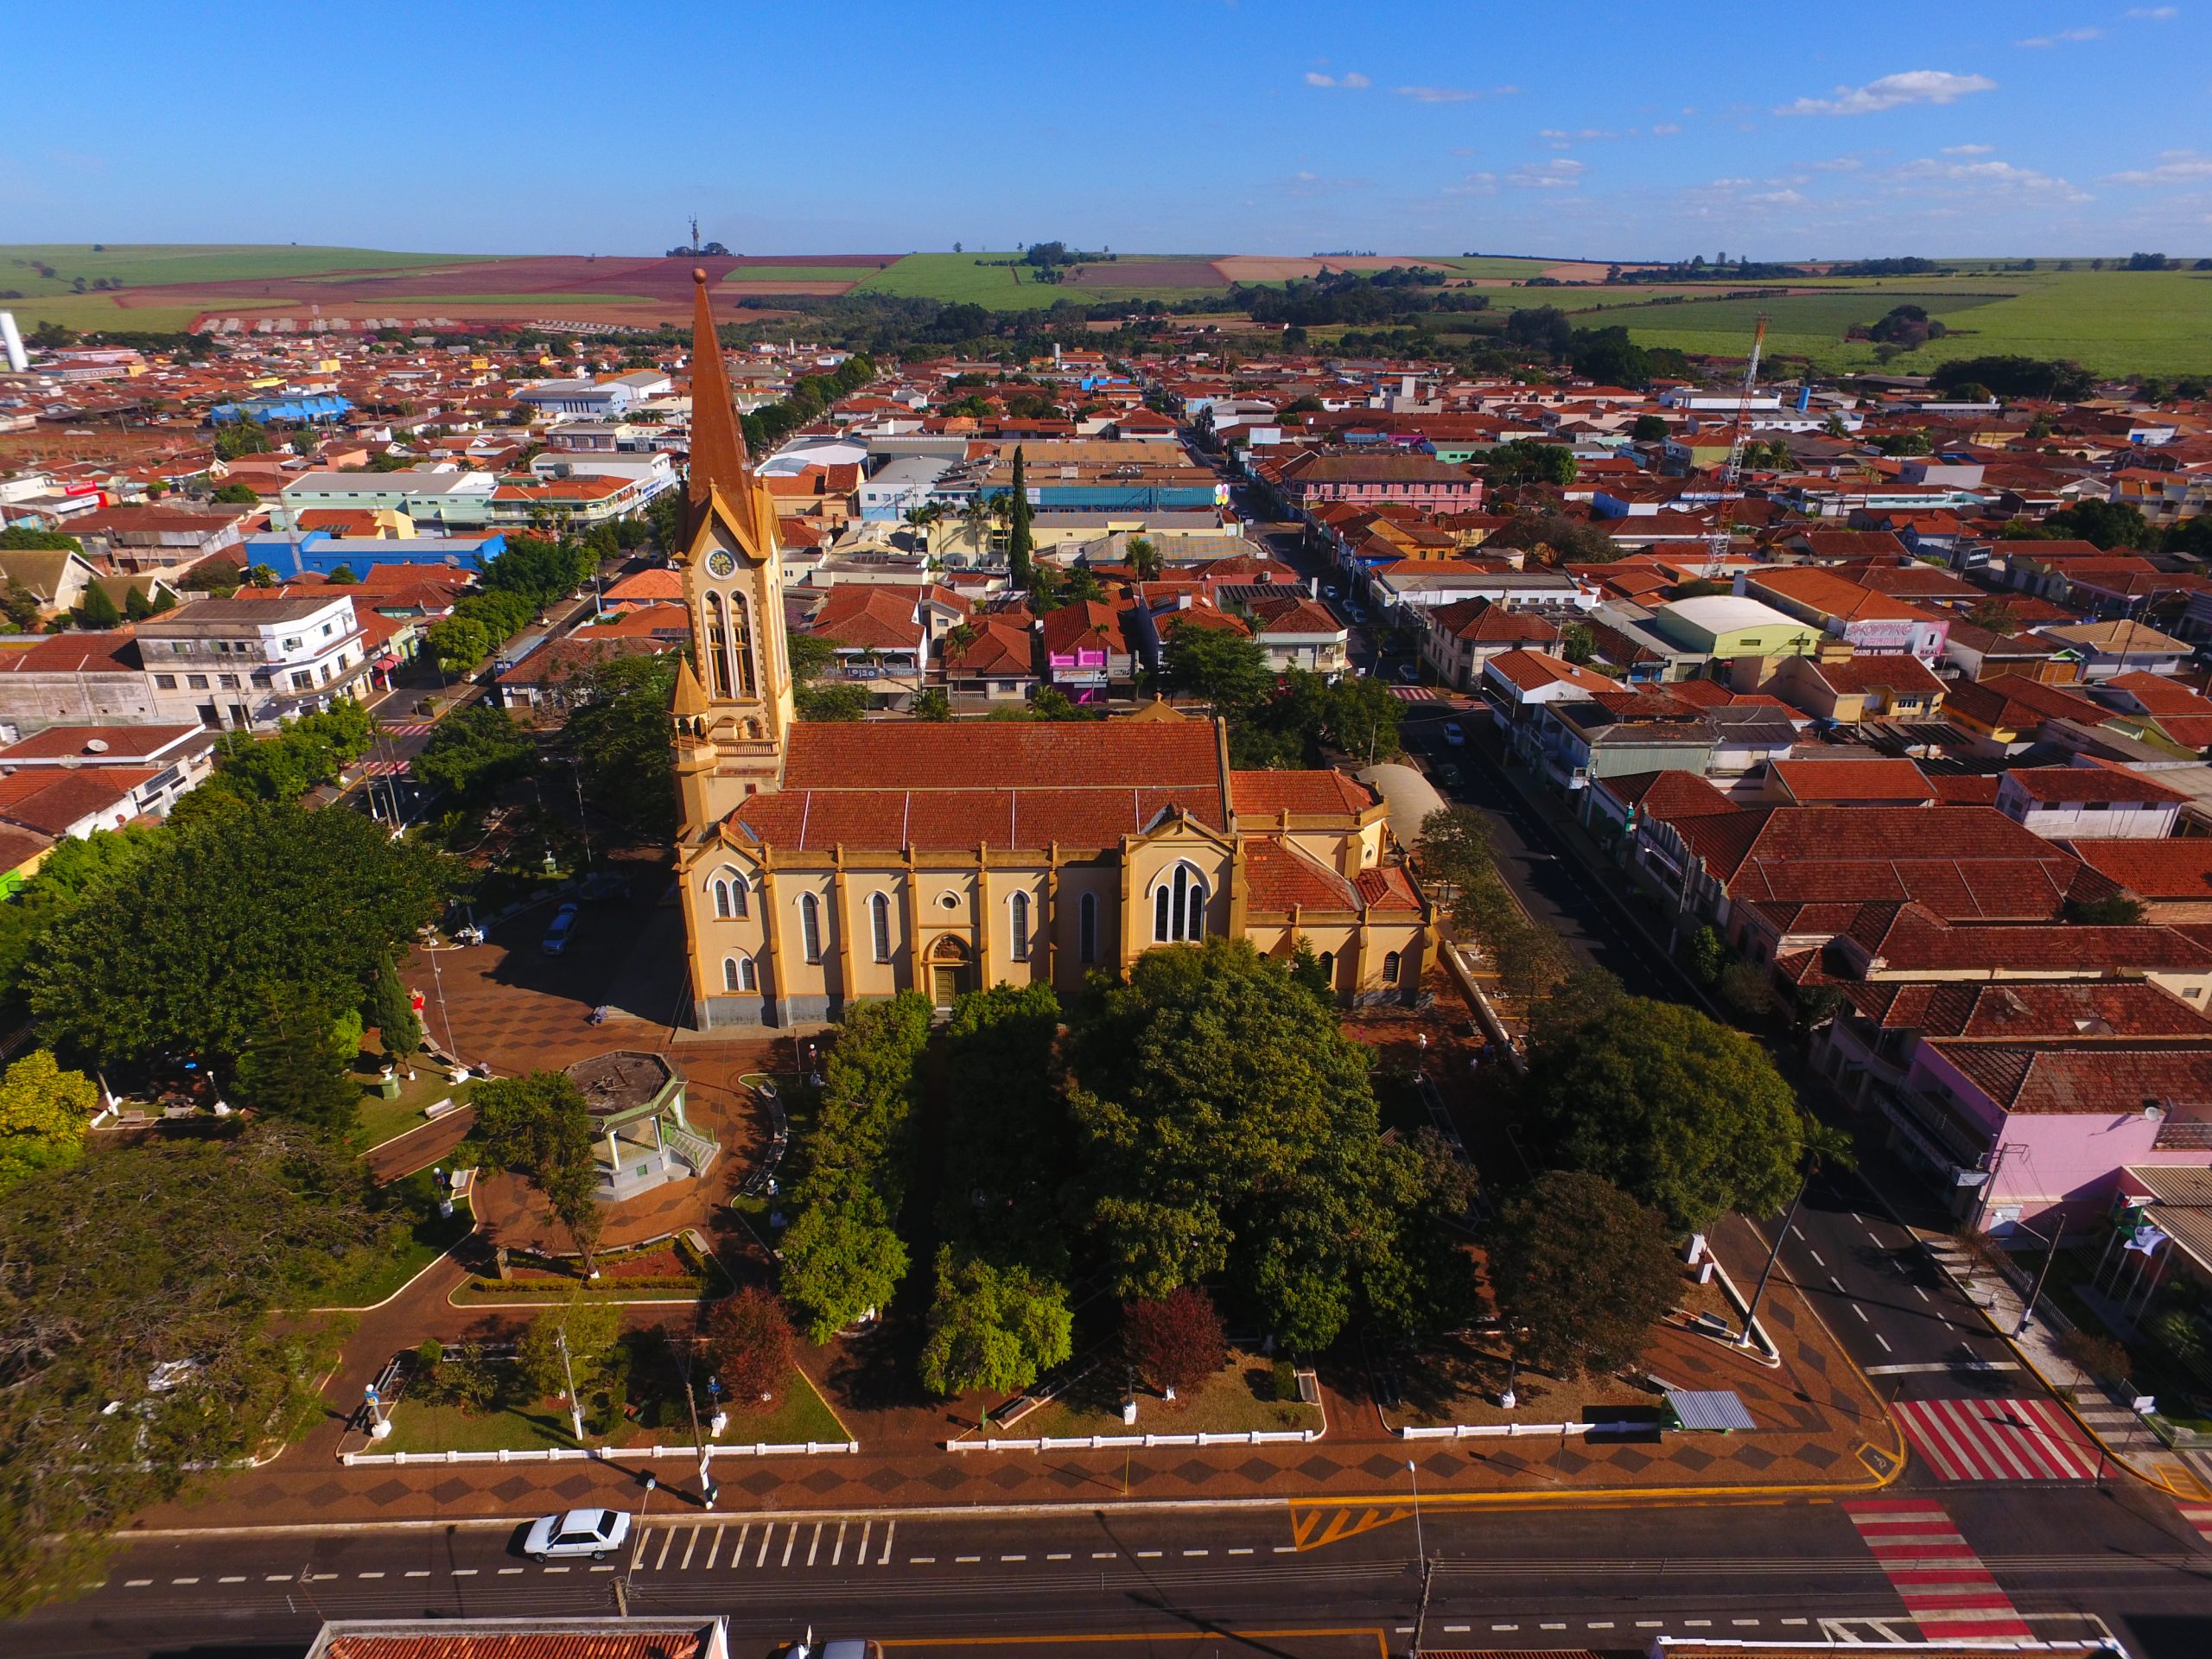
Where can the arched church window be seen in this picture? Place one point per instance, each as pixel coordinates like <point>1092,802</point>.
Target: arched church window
<point>810,926</point>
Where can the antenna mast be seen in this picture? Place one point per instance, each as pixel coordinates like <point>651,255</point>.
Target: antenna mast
<point>1732,473</point>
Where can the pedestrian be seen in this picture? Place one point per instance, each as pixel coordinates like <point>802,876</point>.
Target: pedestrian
<point>1422,1040</point>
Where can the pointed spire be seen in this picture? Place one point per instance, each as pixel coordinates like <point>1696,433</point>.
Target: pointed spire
<point>691,695</point>
<point>718,459</point>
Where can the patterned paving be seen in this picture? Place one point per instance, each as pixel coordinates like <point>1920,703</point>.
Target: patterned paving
<point>1945,1587</point>
<point>1998,1440</point>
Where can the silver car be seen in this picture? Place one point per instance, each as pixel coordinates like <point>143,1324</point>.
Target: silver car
<point>580,1532</point>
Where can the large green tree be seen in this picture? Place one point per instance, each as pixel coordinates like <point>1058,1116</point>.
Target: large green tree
<point>391,1009</point>
<point>296,1064</point>
<point>539,1126</point>
<point>1224,666</point>
<point>1681,1111</point>
<point>841,1258</point>
<point>1581,1271</point>
<point>993,1327</point>
<point>174,951</point>
<point>1227,1127</point>
<point>476,748</point>
<point>618,732</point>
<point>44,1112</point>
<point>145,1277</point>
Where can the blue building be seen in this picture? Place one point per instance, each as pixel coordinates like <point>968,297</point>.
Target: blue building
<point>316,552</point>
<point>301,408</point>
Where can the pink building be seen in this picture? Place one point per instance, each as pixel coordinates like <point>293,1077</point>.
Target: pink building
<point>1369,481</point>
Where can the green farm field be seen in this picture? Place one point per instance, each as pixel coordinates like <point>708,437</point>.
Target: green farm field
<point>764,277</point>
<point>959,279</point>
<point>2111,322</point>
<point>148,265</point>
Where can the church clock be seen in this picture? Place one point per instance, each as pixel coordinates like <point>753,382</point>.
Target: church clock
<point>720,563</point>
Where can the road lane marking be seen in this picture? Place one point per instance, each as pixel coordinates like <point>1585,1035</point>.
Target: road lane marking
<point>1286,1549</point>
<point>1505,1627</point>
<point>1456,1629</point>
<point>667,1537</point>
<point>286,1578</point>
<point>508,1571</point>
<point>1918,1292</point>
<point>603,1567</point>
<point>1884,1341</point>
<point>239,1578</point>
<point>1601,1623</point>
<point>1240,1552</point>
<point>690,1543</point>
<point>713,1550</point>
<point>1147,1554</point>
<point>921,1560</point>
<point>1650,1624</point>
<point>889,1528</point>
<point>549,1569</point>
<point>815,1547</point>
<point>139,1583</point>
<point>357,1575</point>
<point>1061,1556</point>
<point>1838,1283</point>
<point>194,1579</point>
<point>767,1537</point>
<point>457,1573</point>
<point>1861,1313</point>
<point>1698,1624</point>
<point>1816,1255</point>
<point>424,1573</point>
<point>1013,1558</point>
<point>1742,1621</point>
<point>837,1556</point>
<point>1110,1555</point>
<point>791,1542</point>
<point>1551,1627</point>
<point>737,1549</point>
<point>959,1559</point>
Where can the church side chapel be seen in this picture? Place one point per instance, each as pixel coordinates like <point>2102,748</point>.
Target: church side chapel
<point>825,863</point>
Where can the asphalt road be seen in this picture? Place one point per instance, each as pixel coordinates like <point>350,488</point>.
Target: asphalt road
<point>2075,1561</point>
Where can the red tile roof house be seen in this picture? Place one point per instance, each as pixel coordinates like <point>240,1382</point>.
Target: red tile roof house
<point>2153,709</point>
<point>2096,800</point>
<point>1854,689</point>
<point>880,635</point>
<point>546,679</point>
<point>1086,651</point>
<point>2018,1099</point>
<point>1310,480</point>
<point>1458,640</point>
<point>995,661</point>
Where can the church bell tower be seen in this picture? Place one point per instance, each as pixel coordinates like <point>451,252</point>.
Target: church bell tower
<point>733,709</point>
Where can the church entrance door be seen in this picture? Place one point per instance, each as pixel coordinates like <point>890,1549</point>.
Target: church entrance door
<point>948,984</point>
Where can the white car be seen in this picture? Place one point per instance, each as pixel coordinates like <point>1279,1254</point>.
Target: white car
<point>580,1532</point>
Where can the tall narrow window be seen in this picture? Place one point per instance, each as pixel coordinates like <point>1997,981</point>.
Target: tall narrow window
<point>1018,911</point>
<point>748,977</point>
<point>1179,907</point>
<point>740,645</point>
<point>737,895</point>
<point>810,926</point>
<point>729,974</point>
<point>1195,901</point>
<point>1160,903</point>
<point>1329,966</point>
<point>722,898</point>
<point>878,916</point>
<point>1087,928</point>
<point>1390,969</point>
<point>717,651</point>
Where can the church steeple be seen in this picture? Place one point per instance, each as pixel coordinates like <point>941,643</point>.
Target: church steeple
<point>733,702</point>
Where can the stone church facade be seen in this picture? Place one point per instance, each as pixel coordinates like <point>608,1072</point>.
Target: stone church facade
<point>822,863</point>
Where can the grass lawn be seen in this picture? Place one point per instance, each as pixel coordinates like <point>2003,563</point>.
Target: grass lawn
<point>767,275</point>
<point>94,313</point>
<point>364,1279</point>
<point>381,1119</point>
<point>1238,1397</point>
<point>798,1413</point>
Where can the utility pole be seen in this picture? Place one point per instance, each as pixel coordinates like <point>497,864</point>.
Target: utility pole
<point>1421,1554</point>
<point>576,1405</point>
<point>707,1488</point>
<point>2050,1254</point>
<point>1752,1308</point>
<point>1420,1617</point>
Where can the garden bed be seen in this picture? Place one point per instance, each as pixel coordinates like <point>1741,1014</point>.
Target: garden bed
<point>1237,1399</point>
<point>382,1120</point>
<point>1458,1379</point>
<point>663,1273</point>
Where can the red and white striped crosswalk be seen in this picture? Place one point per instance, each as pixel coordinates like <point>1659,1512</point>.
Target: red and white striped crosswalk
<point>406,727</point>
<point>2200,1517</point>
<point>1998,1440</point>
<point>383,768</point>
<point>1946,1589</point>
<point>1417,693</point>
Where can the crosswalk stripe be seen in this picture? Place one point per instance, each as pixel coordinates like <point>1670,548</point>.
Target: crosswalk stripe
<point>860,1556</point>
<point>837,1556</point>
<point>767,1537</point>
<point>713,1550</point>
<point>1946,1588</point>
<point>791,1542</point>
<point>1998,1439</point>
<point>667,1537</point>
<point>889,1528</point>
<point>814,1544</point>
<point>689,1544</point>
<point>737,1549</point>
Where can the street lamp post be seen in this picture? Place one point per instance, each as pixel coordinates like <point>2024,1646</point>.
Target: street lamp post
<point>2050,1254</point>
<point>1751,1308</point>
<point>1421,1551</point>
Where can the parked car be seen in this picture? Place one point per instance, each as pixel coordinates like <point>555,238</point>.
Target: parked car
<point>1447,775</point>
<point>594,1533</point>
<point>1328,590</point>
<point>1454,734</point>
<point>605,884</point>
<point>1409,672</point>
<point>560,930</point>
<point>1357,613</point>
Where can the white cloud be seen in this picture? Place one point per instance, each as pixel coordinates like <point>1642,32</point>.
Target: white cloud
<point>1994,175</point>
<point>2062,36</point>
<point>1968,150</point>
<point>1438,94</point>
<point>1561,175</point>
<point>2154,14</point>
<point>1352,79</point>
<point>1665,130</point>
<point>1892,91</point>
<point>1473,184</point>
<point>2174,167</point>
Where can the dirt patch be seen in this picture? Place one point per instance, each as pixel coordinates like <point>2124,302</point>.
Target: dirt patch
<point>769,261</point>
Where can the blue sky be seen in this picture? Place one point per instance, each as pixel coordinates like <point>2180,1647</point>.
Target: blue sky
<point>1263,126</point>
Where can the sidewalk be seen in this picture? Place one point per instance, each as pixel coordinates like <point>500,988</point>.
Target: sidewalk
<point>2111,1422</point>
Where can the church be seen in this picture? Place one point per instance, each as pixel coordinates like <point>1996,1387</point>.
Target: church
<point>825,863</point>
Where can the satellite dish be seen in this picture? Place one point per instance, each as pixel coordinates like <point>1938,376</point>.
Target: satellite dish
<point>96,746</point>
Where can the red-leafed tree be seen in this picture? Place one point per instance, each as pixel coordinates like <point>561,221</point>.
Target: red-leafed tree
<point>1176,1342</point>
<point>749,1340</point>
